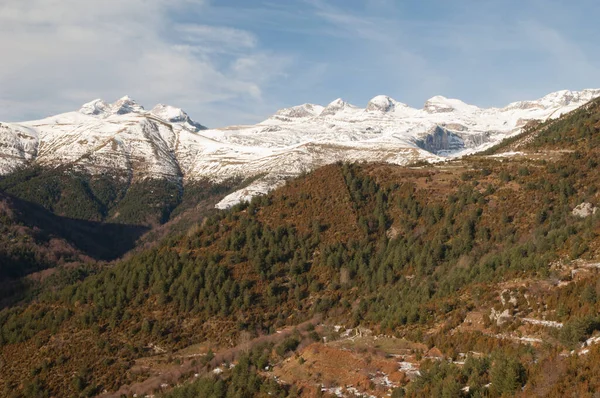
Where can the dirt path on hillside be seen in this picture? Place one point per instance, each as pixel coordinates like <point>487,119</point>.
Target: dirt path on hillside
<point>174,373</point>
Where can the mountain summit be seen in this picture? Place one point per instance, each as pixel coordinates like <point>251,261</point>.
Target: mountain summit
<point>126,105</point>
<point>122,106</point>
<point>383,103</point>
<point>176,115</point>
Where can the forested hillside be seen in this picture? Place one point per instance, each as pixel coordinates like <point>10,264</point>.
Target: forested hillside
<point>58,218</point>
<point>110,197</point>
<point>477,272</point>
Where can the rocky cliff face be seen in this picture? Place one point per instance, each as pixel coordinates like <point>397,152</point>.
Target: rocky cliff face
<point>441,142</point>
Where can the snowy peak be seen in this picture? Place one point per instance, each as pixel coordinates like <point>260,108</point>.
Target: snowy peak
<point>169,113</point>
<point>384,104</point>
<point>337,103</point>
<point>300,111</point>
<point>122,106</point>
<point>567,98</point>
<point>95,107</point>
<point>557,99</point>
<point>126,105</point>
<point>337,106</point>
<point>441,104</point>
<point>436,107</point>
<point>172,114</point>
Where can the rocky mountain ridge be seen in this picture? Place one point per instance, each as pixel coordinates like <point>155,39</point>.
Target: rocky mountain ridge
<point>124,139</point>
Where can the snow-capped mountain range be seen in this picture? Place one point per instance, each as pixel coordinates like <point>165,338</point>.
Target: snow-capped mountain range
<point>124,139</point>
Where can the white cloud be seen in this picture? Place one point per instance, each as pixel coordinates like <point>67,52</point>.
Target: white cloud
<point>58,54</point>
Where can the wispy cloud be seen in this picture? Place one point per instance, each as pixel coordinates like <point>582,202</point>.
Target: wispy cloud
<point>385,48</point>
<point>565,53</point>
<point>216,38</point>
<point>60,53</point>
<point>237,61</point>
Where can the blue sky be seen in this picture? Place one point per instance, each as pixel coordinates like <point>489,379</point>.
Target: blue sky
<point>238,61</point>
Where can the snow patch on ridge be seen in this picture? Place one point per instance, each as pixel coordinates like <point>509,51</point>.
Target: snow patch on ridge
<point>256,188</point>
